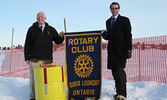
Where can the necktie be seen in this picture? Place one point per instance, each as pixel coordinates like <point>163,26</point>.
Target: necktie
<point>112,22</point>
<point>40,28</point>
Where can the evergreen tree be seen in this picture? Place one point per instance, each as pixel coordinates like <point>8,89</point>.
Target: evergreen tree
<point>8,48</point>
<point>4,48</point>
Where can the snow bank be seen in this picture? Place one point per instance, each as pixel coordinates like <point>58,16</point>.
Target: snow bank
<point>14,88</point>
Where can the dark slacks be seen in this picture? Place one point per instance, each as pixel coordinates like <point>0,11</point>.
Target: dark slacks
<point>120,81</point>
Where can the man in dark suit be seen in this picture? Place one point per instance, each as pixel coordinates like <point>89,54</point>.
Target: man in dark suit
<point>119,48</point>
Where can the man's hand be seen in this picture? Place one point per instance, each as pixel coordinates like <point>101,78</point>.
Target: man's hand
<point>105,34</point>
<point>128,54</point>
<point>28,62</point>
<point>61,34</point>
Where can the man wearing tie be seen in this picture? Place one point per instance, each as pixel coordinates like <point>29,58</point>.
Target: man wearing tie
<point>38,46</point>
<point>119,48</point>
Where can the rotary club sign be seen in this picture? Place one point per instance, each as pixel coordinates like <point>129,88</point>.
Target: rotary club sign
<point>83,64</point>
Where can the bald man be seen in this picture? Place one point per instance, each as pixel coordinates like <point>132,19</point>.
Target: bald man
<point>38,46</point>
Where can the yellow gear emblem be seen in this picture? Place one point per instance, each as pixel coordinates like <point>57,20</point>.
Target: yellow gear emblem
<point>83,66</point>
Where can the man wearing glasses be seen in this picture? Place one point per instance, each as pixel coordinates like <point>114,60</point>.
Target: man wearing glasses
<point>119,48</point>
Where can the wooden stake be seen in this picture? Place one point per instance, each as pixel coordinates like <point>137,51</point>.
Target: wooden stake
<point>11,52</point>
<point>65,25</point>
<point>139,62</point>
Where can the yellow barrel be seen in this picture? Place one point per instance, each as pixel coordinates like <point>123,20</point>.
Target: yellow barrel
<point>50,83</point>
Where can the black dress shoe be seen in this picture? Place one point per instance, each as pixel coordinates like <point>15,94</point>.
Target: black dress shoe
<point>32,99</point>
<point>115,96</point>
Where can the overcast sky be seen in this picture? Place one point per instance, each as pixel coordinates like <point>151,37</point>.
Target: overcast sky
<point>148,17</point>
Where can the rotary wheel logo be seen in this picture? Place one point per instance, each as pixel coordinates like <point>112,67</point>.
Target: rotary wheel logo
<point>83,66</point>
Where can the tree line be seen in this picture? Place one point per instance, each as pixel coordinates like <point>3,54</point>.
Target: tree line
<point>8,48</point>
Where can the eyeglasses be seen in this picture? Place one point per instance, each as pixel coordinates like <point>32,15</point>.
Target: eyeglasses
<point>114,8</point>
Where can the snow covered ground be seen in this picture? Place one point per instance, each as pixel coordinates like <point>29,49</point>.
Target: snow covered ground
<point>13,88</point>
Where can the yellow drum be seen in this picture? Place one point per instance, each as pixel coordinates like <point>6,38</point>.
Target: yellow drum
<point>50,83</point>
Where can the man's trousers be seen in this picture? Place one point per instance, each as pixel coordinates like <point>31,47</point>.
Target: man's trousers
<point>120,81</point>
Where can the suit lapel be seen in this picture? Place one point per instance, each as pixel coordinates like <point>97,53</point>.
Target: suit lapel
<point>109,23</point>
<point>117,21</point>
<point>115,24</point>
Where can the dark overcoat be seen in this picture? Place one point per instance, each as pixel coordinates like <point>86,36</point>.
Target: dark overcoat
<point>38,44</point>
<point>120,41</point>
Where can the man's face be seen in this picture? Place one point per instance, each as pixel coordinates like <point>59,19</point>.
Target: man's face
<point>41,18</point>
<point>114,10</point>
